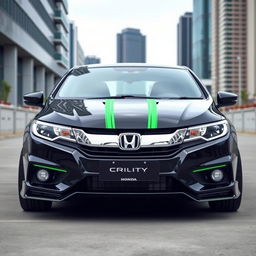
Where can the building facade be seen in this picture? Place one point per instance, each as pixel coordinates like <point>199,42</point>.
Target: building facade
<point>131,46</point>
<point>80,54</point>
<point>201,38</point>
<point>251,49</point>
<point>184,40</point>
<point>91,59</point>
<point>33,45</point>
<point>72,44</point>
<point>229,43</point>
<point>76,53</point>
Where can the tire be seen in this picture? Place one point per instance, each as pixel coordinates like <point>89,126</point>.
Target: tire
<point>231,205</point>
<point>30,204</point>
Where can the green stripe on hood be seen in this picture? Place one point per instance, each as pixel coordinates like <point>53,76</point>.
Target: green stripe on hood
<point>152,114</point>
<point>109,114</point>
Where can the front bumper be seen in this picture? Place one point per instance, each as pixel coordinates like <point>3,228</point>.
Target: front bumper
<point>176,176</point>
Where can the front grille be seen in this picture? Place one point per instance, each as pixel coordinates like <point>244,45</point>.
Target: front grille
<point>110,153</point>
<point>140,131</point>
<point>104,152</point>
<point>93,184</point>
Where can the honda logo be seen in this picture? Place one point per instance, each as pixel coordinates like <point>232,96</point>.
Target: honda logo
<point>129,141</point>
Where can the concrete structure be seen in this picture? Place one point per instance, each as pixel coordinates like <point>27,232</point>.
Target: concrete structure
<point>91,59</point>
<point>251,48</point>
<point>13,120</point>
<point>201,45</point>
<point>33,45</point>
<point>243,119</point>
<point>131,46</point>
<point>76,53</point>
<point>184,40</point>
<point>229,41</point>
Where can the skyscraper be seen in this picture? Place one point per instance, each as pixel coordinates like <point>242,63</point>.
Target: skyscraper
<point>72,44</point>
<point>91,59</point>
<point>76,53</point>
<point>80,54</point>
<point>184,43</point>
<point>201,45</point>
<point>131,46</point>
<point>251,48</point>
<point>229,43</point>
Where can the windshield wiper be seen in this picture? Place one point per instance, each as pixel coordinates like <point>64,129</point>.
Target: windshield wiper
<point>123,97</point>
<point>145,97</point>
<point>183,98</point>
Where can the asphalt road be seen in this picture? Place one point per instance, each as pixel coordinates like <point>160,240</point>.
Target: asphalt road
<point>126,227</point>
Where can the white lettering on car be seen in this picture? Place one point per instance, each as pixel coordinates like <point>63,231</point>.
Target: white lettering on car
<point>128,170</point>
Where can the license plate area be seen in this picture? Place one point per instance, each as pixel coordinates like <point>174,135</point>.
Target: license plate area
<point>129,171</point>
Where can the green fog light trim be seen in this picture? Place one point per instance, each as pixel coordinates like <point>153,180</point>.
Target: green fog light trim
<point>209,168</point>
<point>221,199</point>
<point>50,168</point>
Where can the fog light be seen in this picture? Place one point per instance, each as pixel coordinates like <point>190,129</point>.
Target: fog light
<point>42,175</point>
<point>217,175</point>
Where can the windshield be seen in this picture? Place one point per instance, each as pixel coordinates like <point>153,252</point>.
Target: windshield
<point>130,82</point>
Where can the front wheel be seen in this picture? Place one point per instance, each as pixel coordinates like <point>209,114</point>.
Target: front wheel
<point>30,204</point>
<point>231,205</point>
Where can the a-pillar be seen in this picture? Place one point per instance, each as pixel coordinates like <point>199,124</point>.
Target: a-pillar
<point>10,71</point>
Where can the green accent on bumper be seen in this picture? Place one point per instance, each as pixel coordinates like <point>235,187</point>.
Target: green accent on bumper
<point>152,114</point>
<point>50,168</point>
<point>109,114</point>
<point>221,199</point>
<point>209,168</point>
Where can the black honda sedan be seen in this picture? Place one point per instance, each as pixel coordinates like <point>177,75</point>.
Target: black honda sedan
<point>130,129</point>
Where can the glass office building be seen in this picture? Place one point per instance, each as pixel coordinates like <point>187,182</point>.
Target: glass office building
<point>184,40</point>
<point>76,53</point>
<point>91,59</point>
<point>201,53</point>
<point>131,46</point>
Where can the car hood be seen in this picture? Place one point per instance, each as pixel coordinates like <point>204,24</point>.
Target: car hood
<point>129,113</point>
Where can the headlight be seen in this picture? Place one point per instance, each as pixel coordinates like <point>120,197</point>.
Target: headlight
<point>208,131</point>
<point>52,132</point>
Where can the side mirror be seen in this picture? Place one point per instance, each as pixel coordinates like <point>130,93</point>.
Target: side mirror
<point>34,99</point>
<point>226,99</point>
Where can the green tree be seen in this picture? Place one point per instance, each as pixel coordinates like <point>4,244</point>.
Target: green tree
<point>5,90</point>
<point>244,96</point>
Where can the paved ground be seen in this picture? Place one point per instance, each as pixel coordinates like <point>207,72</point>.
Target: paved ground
<point>120,227</point>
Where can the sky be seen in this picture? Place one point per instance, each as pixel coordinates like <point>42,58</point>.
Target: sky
<point>99,21</point>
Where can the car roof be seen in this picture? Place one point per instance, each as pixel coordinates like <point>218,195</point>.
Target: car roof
<point>129,65</point>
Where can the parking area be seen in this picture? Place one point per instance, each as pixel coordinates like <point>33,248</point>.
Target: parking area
<point>134,227</point>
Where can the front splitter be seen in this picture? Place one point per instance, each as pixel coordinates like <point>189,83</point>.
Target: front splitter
<point>234,196</point>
